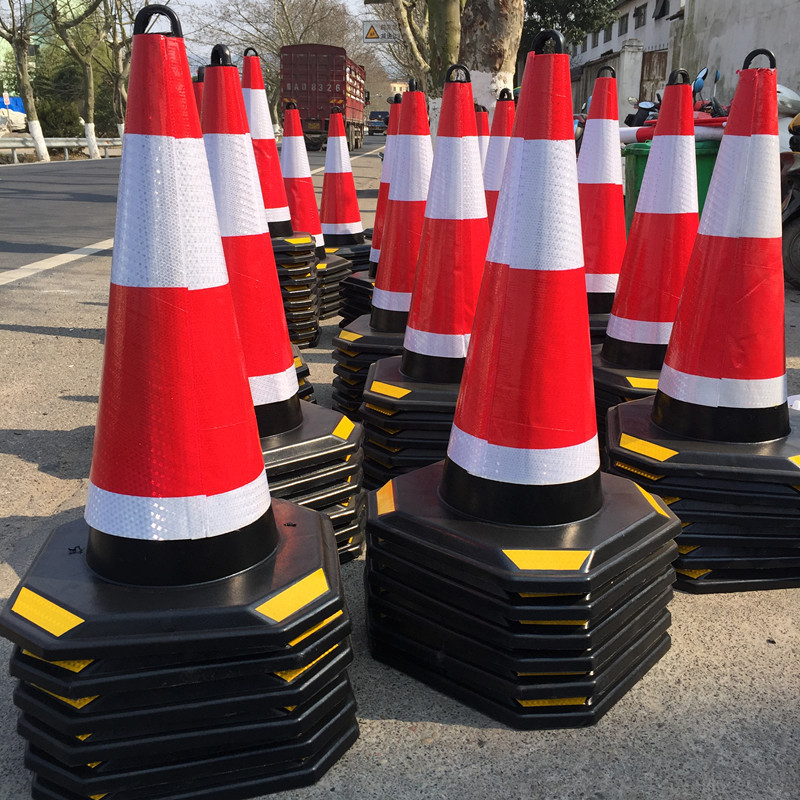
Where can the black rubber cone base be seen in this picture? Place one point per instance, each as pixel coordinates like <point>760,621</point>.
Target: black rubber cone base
<point>765,473</point>
<point>355,294</point>
<point>357,252</point>
<point>387,386</point>
<point>597,327</point>
<point>707,581</point>
<point>738,558</point>
<point>361,337</point>
<point>62,610</point>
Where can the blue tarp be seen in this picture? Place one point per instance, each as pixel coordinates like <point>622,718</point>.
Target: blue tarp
<point>15,104</point>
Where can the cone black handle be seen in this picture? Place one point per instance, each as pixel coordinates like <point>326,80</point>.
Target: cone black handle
<point>155,10</point>
<point>201,74</point>
<point>505,94</point>
<point>412,85</point>
<point>251,50</point>
<point>448,78</point>
<point>559,42</point>
<point>336,110</point>
<point>761,51</point>
<point>678,73</point>
<point>221,56</point>
<point>607,68</point>
<point>291,105</point>
<point>398,98</point>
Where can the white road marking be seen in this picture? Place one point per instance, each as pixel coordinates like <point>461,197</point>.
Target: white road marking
<point>54,261</point>
<point>352,159</point>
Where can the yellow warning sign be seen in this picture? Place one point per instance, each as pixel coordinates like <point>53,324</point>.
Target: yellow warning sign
<point>371,33</point>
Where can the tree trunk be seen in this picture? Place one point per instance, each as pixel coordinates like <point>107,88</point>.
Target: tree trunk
<point>444,35</point>
<point>88,126</point>
<point>490,36</point>
<point>20,45</point>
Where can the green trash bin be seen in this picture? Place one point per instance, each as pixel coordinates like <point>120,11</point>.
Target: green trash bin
<point>636,159</point>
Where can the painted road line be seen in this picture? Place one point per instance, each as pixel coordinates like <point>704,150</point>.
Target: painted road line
<point>54,261</point>
<point>354,158</point>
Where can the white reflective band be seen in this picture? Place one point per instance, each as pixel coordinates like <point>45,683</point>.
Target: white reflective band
<point>638,331</point>
<point>495,161</point>
<point>544,467</point>
<point>237,190</point>
<point>444,345</point>
<point>337,159</point>
<point>483,146</point>
<point>278,214</point>
<point>257,107</point>
<point>338,228</point>
<point>391,301</point>
<point>456,187</point>
<point>600,159</point>
<point>599,283</point>
<point>374,255</point>
<point>294,159</point>
<point>533,232</point>
<point>411,184</point>
<point>669,185</point>
<point>176,518</point>
<point>744,196</point>
<point>319,240</point>
<point>388,160</point>
<point>165,191</point>
<point>274,388</point>
<point>724,392</point>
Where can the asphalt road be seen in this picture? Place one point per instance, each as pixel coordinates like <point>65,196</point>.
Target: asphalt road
<point>717,718</point>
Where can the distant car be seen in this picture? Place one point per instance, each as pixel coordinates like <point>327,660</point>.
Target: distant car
<point>378,122</point>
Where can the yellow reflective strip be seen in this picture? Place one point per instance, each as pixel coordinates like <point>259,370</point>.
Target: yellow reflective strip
<point>72,666</point>
<point>321,265</point>
<point>344,428</point>
<point>392,431</point>
<point>349,336</point>
<point>300,240</point>
<point>636,471</point>
<point>384,446</point>
<point>795,460</point>
<point>653,502</point>
<point>330,250</point>
<point>555,701</point>
<point>670,500</point>
<point>693,573</point>
<point>685,524</point>
<point>98,796</point>
<point>649,449</point>
<point>94,764</point>
<point>80,702</point>
<point>290,708</point>
<point>546,560</point>
<point>390,391</point>
<point>44,613</point>
<point>351,353</point>
<point>290,674</point>
<point>687,548</point>
<point>315,628</point>
<point>84,736</point>
<point>387,411</point>
<point>298,362</point>
<point>294,598</point>
<point>581,622</point>
<point>384,498</point>
<point>642,383</point>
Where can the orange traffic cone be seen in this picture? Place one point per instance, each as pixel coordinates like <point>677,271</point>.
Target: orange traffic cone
<point>183,552</point>
<point>602,203</point>
<point>297,179</point>
<point>502,124</point>
<point>339,214</point>
<point>656,256</point>
<point>482,121</point>
<point>409,401</point>
<point>519,507</point>
<point>405,212</point>
<point>266,150</point>
<point>724,376</point>
<point>197,87</point>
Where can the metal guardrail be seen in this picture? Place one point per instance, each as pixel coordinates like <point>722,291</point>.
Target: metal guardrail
<point>14,143</point>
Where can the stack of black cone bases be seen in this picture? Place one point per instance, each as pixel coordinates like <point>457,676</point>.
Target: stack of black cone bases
<point>305,387</point>
<point>319,464</point>
<point>355,293</point>
<point>331,271</point>
<point>296,261</point>
<point>131,692</point>
<point>356,347</point>
<point>406,422</point>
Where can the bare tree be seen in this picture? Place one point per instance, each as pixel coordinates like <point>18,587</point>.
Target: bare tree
<point>115,63</point>
<point>82,31</point>
<point>18,25</point>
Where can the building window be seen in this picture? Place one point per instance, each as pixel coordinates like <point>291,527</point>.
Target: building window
<point>640,16</point>
<point>584,44</point>
<point>662,9</point>
<point>622,25</point>
<point>595,38</point>
<point>607,33</point>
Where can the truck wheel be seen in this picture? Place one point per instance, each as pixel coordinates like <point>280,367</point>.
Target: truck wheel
<point>791,251</point>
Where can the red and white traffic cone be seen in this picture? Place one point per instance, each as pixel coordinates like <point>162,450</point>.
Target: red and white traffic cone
<point>176,453</point>
<point>602,203</point>
<point>482,121</point>
<point>405,212</point>
<point>297,179</point>
<point>502,125</point>
<point>452,253</point>
<point>660,240</point>
<point>339,214</point>
<point>519,454</point>
<point>266,150</point>
<point>197,87</point>
<point>724,375</point>
<point>248,249</point>
<point>383,188</point>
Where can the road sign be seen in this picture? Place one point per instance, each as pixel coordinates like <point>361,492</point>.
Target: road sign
<point>378,31</point>
<point>6,99</point>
